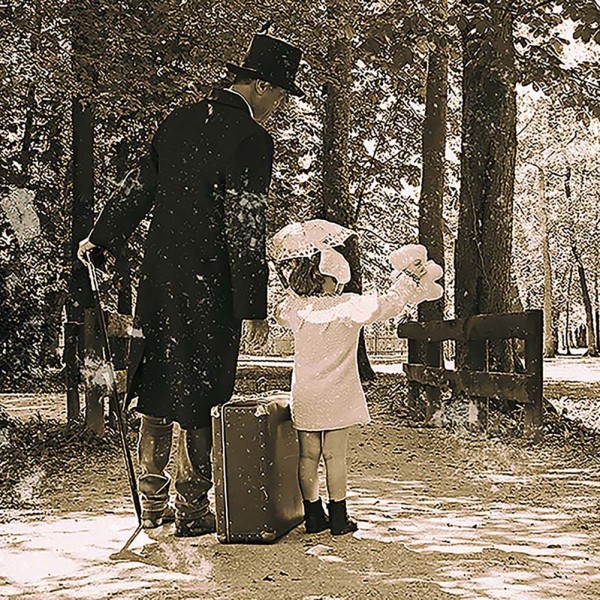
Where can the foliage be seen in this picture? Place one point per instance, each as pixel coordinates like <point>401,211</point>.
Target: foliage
<point>134,61</point>
<point>553,141</point>
<point>40,449</point>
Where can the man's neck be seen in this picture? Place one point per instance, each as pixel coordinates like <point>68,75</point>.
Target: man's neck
<point>244,94</point>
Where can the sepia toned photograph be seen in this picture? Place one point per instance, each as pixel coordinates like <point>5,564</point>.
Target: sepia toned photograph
<point>300,300</point>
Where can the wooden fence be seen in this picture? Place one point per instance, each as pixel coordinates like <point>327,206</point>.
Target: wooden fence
<point>426,372</point>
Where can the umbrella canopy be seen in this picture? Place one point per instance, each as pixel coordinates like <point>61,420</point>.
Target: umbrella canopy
<point>306,239</point>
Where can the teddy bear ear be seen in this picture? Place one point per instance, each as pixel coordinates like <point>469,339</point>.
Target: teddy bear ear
<point>435,291</point>
<point>434,271</point>
<point>401,258</point>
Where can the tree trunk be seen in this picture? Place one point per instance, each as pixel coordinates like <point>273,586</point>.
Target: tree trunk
<point>83,206</point>
<point>336,135</point>
<point>431,202</point>
<point>550,342</point>
<point>568,314</point>
<point>431,222</point>
<point>592,345</point>
<point>82,221</point>
<point>484,245</point>
<point>597,297</point>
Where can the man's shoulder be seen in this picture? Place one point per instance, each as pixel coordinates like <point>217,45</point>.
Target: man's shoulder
<point>187,111</point>
<point>236,124</point>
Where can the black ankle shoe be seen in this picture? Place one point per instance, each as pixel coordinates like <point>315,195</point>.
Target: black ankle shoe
<point>195,527</point>
<point>340,522</point>
<point>315,519</point>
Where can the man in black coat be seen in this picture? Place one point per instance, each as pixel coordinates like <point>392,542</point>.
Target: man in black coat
<point>206,180</point>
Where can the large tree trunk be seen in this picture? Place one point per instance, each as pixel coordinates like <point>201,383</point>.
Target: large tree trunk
<point>431,202</point>
<point>83,206</point>
<point>431,222</point>
<point>336,135</point>
<point>484,245</point>
<point>82,220</point>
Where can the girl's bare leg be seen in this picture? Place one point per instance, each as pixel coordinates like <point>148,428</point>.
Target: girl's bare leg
<point>310,454</point>
<point>334,452</point>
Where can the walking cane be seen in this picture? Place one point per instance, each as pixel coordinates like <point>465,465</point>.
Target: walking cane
<point>117,407</point>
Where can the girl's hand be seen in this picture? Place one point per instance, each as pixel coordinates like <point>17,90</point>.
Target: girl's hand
<point>411,260</point>
<point>416,270</point>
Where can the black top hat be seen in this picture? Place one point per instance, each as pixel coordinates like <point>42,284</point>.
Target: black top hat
<point>272,60</point>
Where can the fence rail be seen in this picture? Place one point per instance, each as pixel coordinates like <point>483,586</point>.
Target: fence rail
<point>426,373</point>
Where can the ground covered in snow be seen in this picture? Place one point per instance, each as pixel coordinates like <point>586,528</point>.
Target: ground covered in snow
<point>442,515</point>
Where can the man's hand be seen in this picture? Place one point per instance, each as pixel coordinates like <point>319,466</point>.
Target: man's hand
<point>257,331</point>
<point>84,247</point>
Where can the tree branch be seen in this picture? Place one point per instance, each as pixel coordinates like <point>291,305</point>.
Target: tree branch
<point>527,124</point>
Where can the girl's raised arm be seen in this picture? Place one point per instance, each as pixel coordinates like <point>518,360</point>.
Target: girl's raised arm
<point>370,308</point>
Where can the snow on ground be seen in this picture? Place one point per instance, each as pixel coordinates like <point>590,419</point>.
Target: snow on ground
<point>573,368</point>
<point>440,516</point>
<point>69,555</point>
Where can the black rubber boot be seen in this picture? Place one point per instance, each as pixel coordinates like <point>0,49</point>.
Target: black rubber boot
<point>340,522</point>
<point>315,519</point>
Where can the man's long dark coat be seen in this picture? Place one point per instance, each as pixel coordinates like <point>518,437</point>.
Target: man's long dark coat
<point>204,270</point>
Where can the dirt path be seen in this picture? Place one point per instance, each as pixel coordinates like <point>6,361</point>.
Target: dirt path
<point>441,516</point>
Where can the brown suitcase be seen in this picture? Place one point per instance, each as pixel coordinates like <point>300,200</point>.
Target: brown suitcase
<point>255,449</point>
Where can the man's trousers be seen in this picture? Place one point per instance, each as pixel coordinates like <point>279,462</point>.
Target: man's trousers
<point>192,469</point>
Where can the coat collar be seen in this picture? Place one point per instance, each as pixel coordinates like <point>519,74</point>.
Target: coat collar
<point>230,98</point>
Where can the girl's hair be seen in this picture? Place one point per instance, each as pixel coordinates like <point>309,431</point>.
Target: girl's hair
<point>305,278</point>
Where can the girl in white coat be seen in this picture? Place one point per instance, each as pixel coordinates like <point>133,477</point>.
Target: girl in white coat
<point>327,398</point>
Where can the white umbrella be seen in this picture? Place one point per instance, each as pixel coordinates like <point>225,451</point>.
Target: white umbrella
<point>306,239</point>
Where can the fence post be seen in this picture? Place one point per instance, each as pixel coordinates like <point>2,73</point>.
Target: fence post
<point>534,364</point>
<point>414,389</point>
<point>432,357</point>
<point>476,360</point>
